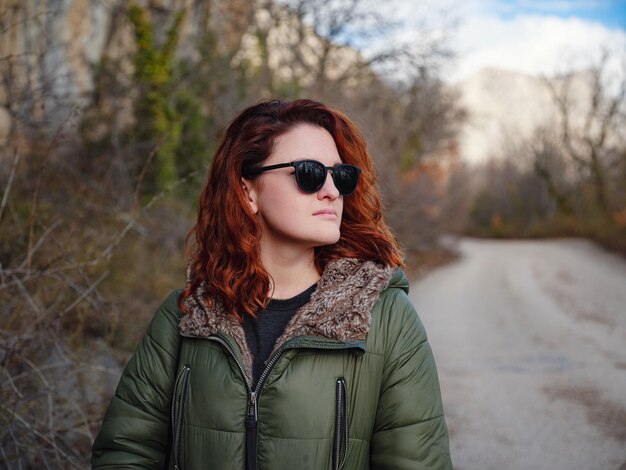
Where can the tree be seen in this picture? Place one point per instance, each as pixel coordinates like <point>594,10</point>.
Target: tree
<point>592,132</point>
<point>157,122</point>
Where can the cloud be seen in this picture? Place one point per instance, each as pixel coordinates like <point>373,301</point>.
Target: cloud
<point>531,43</point>
<point>529,36</point>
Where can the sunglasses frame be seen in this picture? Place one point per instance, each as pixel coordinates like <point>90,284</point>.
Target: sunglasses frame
<point>249,172</point>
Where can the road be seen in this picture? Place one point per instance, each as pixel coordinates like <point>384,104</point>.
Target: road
<point>530,343</point>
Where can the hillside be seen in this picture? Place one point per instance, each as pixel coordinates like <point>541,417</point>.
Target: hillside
<point>502,106</point>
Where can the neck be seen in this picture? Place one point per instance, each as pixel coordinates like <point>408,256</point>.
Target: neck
<point>291,270</point>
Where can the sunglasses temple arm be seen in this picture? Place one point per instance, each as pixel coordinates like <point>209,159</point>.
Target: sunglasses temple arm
<point>255,171</point>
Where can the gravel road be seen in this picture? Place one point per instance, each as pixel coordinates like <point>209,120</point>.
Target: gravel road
<point>530,343</point>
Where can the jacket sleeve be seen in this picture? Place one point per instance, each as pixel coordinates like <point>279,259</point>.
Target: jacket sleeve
<point>410,431</point>
<point>134,432</point>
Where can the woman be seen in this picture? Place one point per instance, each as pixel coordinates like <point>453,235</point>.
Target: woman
<point>293,344</point>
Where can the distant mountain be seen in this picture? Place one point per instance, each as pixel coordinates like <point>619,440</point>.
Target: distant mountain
<point>504,107</point>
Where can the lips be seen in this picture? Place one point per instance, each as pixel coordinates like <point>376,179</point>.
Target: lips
<point>326,212</point>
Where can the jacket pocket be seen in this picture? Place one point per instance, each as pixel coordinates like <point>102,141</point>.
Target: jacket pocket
<point>178,412</point>
<point>340,441</point>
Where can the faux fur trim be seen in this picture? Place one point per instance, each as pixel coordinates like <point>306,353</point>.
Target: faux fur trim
<point>204,321</point>
<point>340,306</point>
<point>338,309</point>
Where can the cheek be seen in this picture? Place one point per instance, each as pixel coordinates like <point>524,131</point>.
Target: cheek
<point>279,205</point>
<point>339,207</point>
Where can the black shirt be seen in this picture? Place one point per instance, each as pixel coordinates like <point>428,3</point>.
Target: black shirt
<point>262,332</point>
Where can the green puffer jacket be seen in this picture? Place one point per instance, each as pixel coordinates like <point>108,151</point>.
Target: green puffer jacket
<point>351,384</point>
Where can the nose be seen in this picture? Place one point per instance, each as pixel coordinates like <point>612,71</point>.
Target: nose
<point>329,190</point>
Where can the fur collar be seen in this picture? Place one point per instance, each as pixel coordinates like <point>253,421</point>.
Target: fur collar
<point>339,308</point>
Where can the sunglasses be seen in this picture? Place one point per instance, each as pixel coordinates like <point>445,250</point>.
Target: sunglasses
<point>311,175</point>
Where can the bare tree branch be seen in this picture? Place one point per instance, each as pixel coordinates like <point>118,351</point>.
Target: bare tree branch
<point>7,189</point>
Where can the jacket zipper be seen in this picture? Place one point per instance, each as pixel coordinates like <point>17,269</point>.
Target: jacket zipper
<point>177,415</point>
<point>340,442</point>
<point>251,421</point>
<point>252,418</point>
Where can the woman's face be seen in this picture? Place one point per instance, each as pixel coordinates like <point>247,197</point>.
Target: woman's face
<point>289,217</point>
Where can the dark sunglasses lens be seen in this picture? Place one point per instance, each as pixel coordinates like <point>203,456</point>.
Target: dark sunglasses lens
<point>310,175</point>
<point>346,178</point>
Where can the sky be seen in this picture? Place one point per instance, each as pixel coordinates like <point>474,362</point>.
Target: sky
<point>536,37</point>
<point>610,13</point>
<point>530,36</point>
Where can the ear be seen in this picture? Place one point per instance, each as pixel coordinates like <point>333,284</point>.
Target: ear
<point>250,190</point>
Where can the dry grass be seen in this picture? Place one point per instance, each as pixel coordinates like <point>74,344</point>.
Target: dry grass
<point>79,280</point>
<point>420,263</point>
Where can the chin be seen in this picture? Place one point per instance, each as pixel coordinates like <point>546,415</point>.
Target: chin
<point>328,239</point>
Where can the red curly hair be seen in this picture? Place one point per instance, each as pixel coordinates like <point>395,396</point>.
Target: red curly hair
<point>226,255</point>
